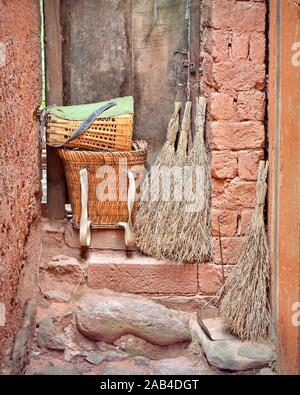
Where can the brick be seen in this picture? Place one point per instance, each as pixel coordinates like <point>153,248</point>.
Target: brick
<point>222,106</point>
<point>242,16</point>
<point>209,279</point>
<point>236,194</point>
<point>221,14</point>
<point>233,76</point>
<point>224,164</point>
<point>237,135</point>
<point>248,162</point>
<point>228,222</point>
<point>218,187</point>
<point>249,16</point>
<point>250,105</point>
<point>257,51</point>
<point>220,45</point>
<point>241,194</point>
<point>240,46</point>
<point>230,246</point>
<point>137,273</point>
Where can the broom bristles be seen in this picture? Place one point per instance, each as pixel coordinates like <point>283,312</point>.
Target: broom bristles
<point>147,214</point>
<point>245,307</point>
<point>166,229</point>
<point>167,226</point>
<point>194,238</point>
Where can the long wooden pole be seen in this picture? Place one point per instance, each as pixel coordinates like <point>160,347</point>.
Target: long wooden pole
<point>56,188</point>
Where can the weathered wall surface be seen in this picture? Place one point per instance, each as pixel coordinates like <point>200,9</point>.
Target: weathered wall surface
<point>233,56</point>
<point>116,48</point>
<point>20,88</point>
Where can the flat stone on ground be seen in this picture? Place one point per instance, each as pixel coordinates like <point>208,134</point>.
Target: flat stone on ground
<point>180,366</point>
<point>215,329</point>
<point>113,370</point>
<point>95,358</point>
<point>232,355</point>
<point>56,371</point>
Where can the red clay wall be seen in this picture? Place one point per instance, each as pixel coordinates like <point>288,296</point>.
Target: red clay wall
<point>20,88</point>
<point>233,54</point>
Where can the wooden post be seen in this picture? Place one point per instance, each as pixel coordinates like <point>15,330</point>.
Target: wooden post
<point>56,188</point>
<point>195,60</point>
<point>284,180</point>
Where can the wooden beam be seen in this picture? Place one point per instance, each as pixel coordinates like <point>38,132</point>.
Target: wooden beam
<point>195,59</point>
<point>56,187</point>
<point>284,180</point>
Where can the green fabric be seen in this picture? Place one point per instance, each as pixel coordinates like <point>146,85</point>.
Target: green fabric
<point>124,105</point>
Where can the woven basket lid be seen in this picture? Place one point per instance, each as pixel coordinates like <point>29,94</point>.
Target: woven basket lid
<point>124,105</point>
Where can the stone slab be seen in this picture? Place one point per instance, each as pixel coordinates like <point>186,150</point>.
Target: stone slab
<point>215,329</point>
<point>137,273</point>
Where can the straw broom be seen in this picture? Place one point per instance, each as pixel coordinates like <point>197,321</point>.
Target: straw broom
<point>169,223</point>
<point>148,214</point>
<point>245,307</point>
<point>194,234</point>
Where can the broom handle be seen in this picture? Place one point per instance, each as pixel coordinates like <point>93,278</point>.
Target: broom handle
<point>174,123</point>
<point>185,127</point>
<point>261,185</point>
<point>200,118</point>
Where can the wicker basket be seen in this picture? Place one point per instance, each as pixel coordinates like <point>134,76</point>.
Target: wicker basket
<point>110,126</point>
<point>105,133</point>
<point>102,213</point>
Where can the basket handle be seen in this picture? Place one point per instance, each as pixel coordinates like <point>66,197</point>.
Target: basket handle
<point>129,233</point>
<point>86,123</point>
<point>85,223</point>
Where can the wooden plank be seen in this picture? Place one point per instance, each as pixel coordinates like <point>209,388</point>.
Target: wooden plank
<point>195,58</point>
<point>284,180</point>
<point>56,188</point>
<point>98,67</point>
<point>159,40</point>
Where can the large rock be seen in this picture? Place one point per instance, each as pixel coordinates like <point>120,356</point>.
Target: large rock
<point>48,336</point>
<point>136,346</point>
<point>233,355</point>
<point>107,318</point>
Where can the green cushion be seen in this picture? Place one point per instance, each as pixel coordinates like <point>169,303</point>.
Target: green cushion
<point>124,105</point>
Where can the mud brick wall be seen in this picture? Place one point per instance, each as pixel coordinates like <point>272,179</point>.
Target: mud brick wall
<point>233,48</point>
<point>20,88</point>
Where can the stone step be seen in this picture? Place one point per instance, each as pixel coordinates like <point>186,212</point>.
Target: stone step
<point>134,272</point>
